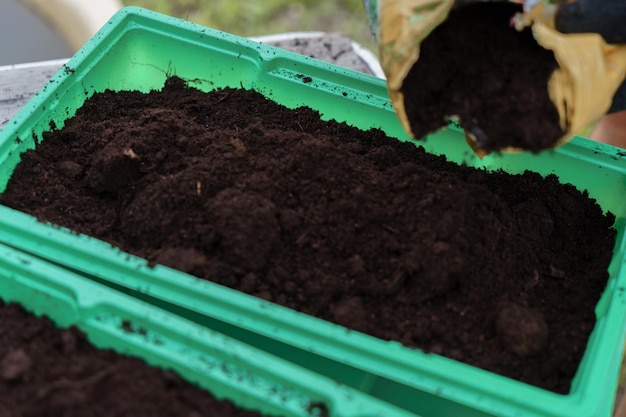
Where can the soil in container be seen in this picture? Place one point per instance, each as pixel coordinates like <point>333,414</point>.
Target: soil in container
<point>495,79</point>
<point>496,270</point>
<point>47,371</point>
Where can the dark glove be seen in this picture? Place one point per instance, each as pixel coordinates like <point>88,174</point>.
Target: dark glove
<point>605,17</point>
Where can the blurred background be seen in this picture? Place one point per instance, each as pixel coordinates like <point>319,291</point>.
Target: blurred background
<point>37,30</point>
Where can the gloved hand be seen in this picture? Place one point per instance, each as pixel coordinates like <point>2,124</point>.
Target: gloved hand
<point>605,17</point>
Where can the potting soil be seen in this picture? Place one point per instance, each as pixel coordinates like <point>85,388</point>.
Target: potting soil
<point>476,66</point>
<point>47,371</point>
<point>495,270</point>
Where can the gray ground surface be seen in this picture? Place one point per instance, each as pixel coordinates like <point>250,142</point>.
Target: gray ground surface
<point>18,83</point>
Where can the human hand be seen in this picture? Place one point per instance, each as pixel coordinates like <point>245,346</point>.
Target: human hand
<point>605,17</point>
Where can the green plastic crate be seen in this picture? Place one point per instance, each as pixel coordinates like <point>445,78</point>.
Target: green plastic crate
<point>138,49</point>
<point>248,377</point>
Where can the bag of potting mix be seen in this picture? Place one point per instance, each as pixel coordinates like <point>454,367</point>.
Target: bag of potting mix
<point>587,70</point>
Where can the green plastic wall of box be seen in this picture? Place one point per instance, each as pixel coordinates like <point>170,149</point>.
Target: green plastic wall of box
<point>228,369</point>
<point>138,49</point>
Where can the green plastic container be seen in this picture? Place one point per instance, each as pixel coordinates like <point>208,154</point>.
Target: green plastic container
<point>137,50</point>
<point>248,377</point>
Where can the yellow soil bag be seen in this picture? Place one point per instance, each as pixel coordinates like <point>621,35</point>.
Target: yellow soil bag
<point>582,87</point>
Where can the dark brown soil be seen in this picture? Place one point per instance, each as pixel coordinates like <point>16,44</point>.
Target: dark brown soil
<point>46,371</point>
<point>476,66</point>
<point>502,272</point>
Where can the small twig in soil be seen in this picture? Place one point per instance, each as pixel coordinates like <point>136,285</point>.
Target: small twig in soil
<point>390,228</point>
<point>223,97</point>
<point>395,284</point>
<point>130,153</point>
<point>69,384</point>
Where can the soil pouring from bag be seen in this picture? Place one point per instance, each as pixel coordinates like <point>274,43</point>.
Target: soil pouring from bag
<point>46,371</point>
<point>495,79</point>
<point>498,271</point>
